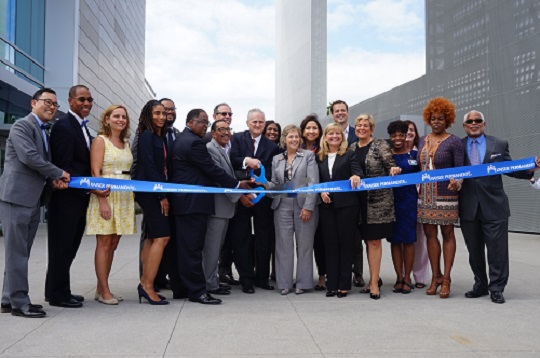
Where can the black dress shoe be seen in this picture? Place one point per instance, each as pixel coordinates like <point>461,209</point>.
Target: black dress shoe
<point>72,303</point>
<point>206,299</point>
<point>6,307</point>
<point>331,293</point>
<point>229,280</point>
<point>248,289</point>
<point>358,281</point>
<point>225,287</point>
<point>77,298</point>
<point>475,294</point>
<point>265,286</point>
<point>220,291</point>
<point>28,312</point>
<point>497,297</point>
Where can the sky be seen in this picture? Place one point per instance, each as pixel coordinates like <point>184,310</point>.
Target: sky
<point>201,53</point>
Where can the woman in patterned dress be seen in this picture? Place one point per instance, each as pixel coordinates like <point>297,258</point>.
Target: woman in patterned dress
<point>438,201</point>
<point>110,218</point>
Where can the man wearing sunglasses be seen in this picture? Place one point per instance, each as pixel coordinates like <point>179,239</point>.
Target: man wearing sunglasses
<point>70,149</point>
<point>484,210</point>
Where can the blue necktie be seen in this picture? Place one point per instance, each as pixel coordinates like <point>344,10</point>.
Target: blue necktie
<point>45,133</point>
<point>475,154</point>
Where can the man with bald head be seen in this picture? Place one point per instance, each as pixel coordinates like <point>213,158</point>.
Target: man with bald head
<point>484,210</point>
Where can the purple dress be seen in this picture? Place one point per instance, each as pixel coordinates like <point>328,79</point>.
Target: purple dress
<point>436,204</point>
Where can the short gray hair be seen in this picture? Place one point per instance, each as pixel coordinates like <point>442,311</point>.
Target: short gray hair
<point>473,111</point>
<point>255,110</point>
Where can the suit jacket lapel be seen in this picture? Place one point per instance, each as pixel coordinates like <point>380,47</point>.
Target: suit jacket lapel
<point>296,163</point>
<point>335,168</point>
<point>260,147</point>
<point>223,154</point>
<point>280,170</point>
<point>78,130</point>
<point>490,149</point>
<point>40,143</point>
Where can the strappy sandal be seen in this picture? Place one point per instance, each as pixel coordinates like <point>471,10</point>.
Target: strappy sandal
<point>406,284</point>
<point>398,286</point>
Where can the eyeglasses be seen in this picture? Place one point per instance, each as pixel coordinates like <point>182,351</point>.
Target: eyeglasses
<point>475,121</point>
<point>204,123</point>
<point>49,102</point>
<point>224,129</point>
<point>84,99</point>
<point>171,109</point>
<point>224,114</point>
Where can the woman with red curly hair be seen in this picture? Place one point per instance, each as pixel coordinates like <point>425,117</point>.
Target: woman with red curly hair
<point>438,202</point>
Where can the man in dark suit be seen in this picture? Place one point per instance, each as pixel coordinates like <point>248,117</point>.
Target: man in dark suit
<point>70,149</point>
<point>22,190</point>
<point>340,113</point>
<point>484,210</point>
<point>249,149</point>
<point>191,164</point>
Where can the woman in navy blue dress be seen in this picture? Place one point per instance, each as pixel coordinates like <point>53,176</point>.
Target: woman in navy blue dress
<point>405,207</point>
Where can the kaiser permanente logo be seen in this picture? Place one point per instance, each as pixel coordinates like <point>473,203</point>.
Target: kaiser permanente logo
<point>428,177</point>
<point>84,181</point>
<point>491,168</point>
<point>511,168</point>
<point>157,187</point>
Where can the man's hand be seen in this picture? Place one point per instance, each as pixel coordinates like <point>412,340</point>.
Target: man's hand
<point>305,215</point>
<point>59,184</point>
<point>455,185</point>
<point>355,181</point>
<point>245,199</point>
<point>65,177</point>
<point>245,184</point>
<point>253,163</point>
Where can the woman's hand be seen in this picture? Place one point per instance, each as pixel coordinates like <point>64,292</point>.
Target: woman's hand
<point>102,193</point>
<point>455,185</point>
<point>326,198</point>
<point>395,171</point>
<point>355,181</point>
<point>104,209</point>
<point>305,214</point>
<point>164,206</point>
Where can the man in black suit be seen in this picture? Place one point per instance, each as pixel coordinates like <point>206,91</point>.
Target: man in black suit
<point>192,164</point>
<point>70,149</point>
<point>484,210</point>
<point>249,149</point>
<point>340,113</point>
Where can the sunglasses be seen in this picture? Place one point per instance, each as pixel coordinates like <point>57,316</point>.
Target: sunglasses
<point>84,99</point>
<point>224,114</point>
<point>475,121</point>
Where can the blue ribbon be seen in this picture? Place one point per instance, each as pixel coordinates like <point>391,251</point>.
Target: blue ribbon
<point>465,172</point>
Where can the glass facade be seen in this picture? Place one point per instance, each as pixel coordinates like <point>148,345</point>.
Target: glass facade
<point>22,38</point>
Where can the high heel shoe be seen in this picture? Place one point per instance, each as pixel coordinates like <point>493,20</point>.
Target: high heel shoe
<point>374,296</point>
<point>143,293</point>
<point>445,288</point>
<point>341,294</point>
<point>432,289</point>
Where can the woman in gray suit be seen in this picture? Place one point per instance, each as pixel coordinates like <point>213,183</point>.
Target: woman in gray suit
<point>295,217</point>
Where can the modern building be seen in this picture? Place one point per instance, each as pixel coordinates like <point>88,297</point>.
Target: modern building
<point>59,43</point>
<point>482,55</point>
<point>300,59</point>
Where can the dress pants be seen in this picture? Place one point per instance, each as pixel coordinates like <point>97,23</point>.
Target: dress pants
<point>358,256</point>
<point>290,228</point>
<point>493,235</point>
<point>318,251</point>
<point>263,221</point>
<point>66,223</point>
<point>190,234</point>
<point>226,254</point>
<point>338,229</point>
<point>215,236</point>
<point>19,224</point>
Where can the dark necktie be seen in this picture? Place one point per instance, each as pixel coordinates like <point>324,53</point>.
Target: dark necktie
<point>253,145</point>
<point>170,140</point>
<point>85,128</point>
<point>45,130</point>
<point>475,154</point>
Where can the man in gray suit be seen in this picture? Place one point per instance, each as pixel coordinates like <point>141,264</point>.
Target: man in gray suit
<point>484,210</point>
<point>225,207</point>
<point>23,189</point>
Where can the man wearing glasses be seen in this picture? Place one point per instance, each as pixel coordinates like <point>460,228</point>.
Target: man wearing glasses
<point>484,210</point>
<point>23,189</point>
<point>70,149</point>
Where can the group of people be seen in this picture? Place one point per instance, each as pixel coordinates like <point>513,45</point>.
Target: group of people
<point>189,242</point>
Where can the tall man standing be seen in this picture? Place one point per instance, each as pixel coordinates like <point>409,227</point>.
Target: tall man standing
<point>23,189</point>
<point>250,149</point>
<point>484,210</point>
<point>70,149</point>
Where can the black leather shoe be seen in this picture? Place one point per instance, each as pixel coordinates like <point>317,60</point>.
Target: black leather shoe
<point>225,287</point>
<point>265,286</point>
<point>6,307</point>
<point>358,281</point>
<point>220,291</point>
<point>77,298</point>
<point>497,297</point>
<point>206,299</point>
<point>331,293</point>
<point>28,312</point>
<point>475,294</point>
<point>248,289</point>
<point>229,280</point>
<point>72,303</point>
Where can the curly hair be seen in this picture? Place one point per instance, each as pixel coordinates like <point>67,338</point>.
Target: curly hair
<point>397,126</point>
<point>105,128</point>
<point>288,129</point>
<point>324,149</point>
<point>145,119</point>
<point>443,106</point>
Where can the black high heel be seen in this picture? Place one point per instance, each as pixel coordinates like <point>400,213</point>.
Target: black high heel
<point>374,296</point>
<point>143,293</point>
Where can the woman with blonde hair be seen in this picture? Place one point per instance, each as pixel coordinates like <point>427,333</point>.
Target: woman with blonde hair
<point>338,211</point>
<point>110,217</point>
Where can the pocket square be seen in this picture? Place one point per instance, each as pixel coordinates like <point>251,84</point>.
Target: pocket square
<point>495,155</point>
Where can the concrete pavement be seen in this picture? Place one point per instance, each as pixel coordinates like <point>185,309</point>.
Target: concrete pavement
<point>269,325</point>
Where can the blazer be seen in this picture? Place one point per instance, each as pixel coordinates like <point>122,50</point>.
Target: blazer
<point>345,166</point>
<point>192,164</point>
<point>225,204</point>
<point>488,191</point>
<point>351,137</point>
<point>242,147</point>
<point>27,164</point>
<point>304,167</point>
<point>379,160</point>
<point>134,148</point>
<point>151,159</point>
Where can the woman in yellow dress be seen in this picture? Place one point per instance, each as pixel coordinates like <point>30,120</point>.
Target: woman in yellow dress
<point>110,218</point>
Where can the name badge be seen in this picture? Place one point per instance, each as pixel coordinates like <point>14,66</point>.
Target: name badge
<point>413,162</point>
